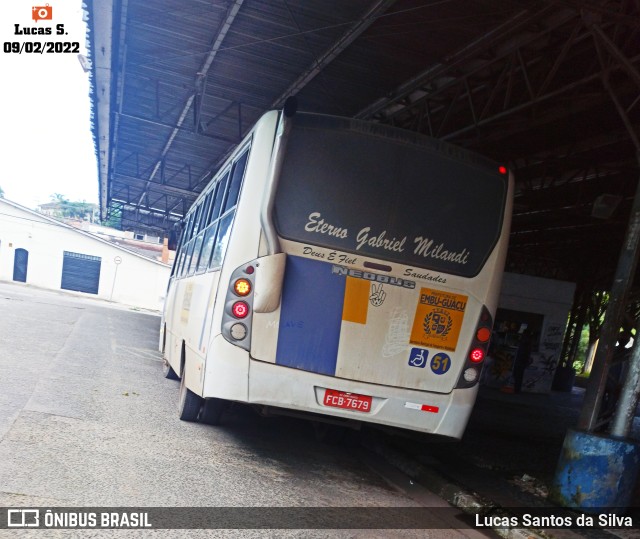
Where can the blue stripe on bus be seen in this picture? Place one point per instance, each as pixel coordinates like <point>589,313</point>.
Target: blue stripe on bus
<point>310,316</point>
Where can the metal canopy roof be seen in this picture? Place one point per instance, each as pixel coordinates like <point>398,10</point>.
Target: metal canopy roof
<point>551,88</point>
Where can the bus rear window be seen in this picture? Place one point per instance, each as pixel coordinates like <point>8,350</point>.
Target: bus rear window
<point>414,201</point>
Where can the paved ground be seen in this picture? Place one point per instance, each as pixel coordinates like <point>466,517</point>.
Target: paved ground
<point>507,457</point>
<point>86,419</point>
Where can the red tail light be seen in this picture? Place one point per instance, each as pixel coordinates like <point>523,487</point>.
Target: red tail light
<point>476,355</point>
<point>240,309</point>
<point>478,350</point>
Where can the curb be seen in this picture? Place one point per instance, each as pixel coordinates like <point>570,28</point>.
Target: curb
<point>453,493</point>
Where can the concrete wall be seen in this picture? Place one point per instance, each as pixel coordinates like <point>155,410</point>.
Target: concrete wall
<point>136,281</point>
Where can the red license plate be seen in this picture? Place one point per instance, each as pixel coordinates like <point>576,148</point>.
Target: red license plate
<point>350,401</point>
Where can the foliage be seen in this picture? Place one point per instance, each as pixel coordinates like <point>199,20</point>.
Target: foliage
<point>1,192</point>
<point>72,210</point>
<point>583,349</point>
<point>597,302</point>
<point>114,219</point>
<point>597,309</point>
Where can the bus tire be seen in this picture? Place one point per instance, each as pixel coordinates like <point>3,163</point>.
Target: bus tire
<point>168,371</point>
<point>189,404</point>
<point>212,410</point>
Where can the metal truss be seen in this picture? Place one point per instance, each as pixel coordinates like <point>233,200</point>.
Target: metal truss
<point>517,76</point>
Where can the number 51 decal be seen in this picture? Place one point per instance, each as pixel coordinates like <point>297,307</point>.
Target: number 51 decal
<point>440,363</point>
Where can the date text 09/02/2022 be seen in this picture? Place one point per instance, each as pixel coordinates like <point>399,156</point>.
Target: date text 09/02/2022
<point>37,47</point>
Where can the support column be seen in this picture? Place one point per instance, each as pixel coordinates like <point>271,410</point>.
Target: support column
<point>599,471</point>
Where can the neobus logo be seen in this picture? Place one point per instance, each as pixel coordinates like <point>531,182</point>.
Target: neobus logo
<point>376,277</point>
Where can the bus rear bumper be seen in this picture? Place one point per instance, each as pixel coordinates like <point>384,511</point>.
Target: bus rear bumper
<point>434,413</point>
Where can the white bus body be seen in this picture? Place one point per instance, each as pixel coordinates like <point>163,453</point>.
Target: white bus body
<point>372,258</point>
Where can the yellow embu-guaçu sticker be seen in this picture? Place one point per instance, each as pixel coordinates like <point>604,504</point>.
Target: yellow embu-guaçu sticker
<point>438,319</point>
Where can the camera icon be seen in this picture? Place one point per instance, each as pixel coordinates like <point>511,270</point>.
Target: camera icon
<point>44,13</point>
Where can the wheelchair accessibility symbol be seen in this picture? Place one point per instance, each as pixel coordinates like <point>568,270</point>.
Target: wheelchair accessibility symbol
<point>418,357</point>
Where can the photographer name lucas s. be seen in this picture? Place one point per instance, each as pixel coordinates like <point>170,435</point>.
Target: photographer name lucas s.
<point>38,30</point>
<point>603,520</point>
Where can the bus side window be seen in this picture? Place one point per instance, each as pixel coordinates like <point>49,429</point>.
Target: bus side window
<point>236,181</point>
<point>206,207</point>
<point>196,220</point>
<point>187,258</point>
<point>207,247</point>
<point>184,246</point>
<point>229,199</point>
<point>210,239</point>
<point>209,232</point>
<point>197,245</point>
<point>188,229</point>
<point>222,239</point>
<point>179,250</point>
<point>221,190</point>
<point>178,261</point>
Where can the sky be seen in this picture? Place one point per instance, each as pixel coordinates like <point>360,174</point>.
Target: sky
<point>46,145</point>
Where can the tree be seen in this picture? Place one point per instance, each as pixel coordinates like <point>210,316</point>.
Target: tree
<point>1,192</point>
<point>57,197</point>
<point>67,209</point>
<point>114,218</point>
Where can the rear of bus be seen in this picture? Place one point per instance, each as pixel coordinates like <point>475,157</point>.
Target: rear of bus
<point>391,248</point>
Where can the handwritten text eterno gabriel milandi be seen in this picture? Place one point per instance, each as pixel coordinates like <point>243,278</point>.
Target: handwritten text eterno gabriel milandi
<point>423,246</point>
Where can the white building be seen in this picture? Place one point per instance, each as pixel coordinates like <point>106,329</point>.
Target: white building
<point>42,251</point>
<point>541,305</point>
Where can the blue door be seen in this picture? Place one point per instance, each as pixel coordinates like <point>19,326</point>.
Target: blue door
<point>20,263</point>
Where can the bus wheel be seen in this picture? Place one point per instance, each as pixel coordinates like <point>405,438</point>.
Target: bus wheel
<point>168,371</point>
<point>189,403</point>
<point>212,411</point>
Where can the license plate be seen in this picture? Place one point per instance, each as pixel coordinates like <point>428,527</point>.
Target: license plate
<point>350,401</point>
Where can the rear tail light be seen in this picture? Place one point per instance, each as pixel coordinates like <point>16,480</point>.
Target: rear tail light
<point>240,309</point>
<point>477,351</point>
<point>237,317</point>
<point>483,334</point>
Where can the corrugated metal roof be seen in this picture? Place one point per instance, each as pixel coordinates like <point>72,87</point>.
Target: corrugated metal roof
<point>177,83</point>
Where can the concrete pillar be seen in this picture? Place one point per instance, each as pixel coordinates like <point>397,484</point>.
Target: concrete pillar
<point>596,472</point>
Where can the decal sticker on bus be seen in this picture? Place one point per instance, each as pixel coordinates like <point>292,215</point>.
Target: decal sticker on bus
<point>440,363</point>
<point>438,319</point>
<point>418,357</point>
<point>370,276</point>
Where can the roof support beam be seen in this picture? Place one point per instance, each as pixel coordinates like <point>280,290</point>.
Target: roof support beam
<point>201,74</point>
<point>155,186</point>
<point>510,27</point>
<point>377,9</point>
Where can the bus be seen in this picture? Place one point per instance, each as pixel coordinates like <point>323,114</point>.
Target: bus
<point>342,270</point>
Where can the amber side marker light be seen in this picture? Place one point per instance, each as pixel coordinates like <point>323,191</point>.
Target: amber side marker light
<point>242,287</point>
